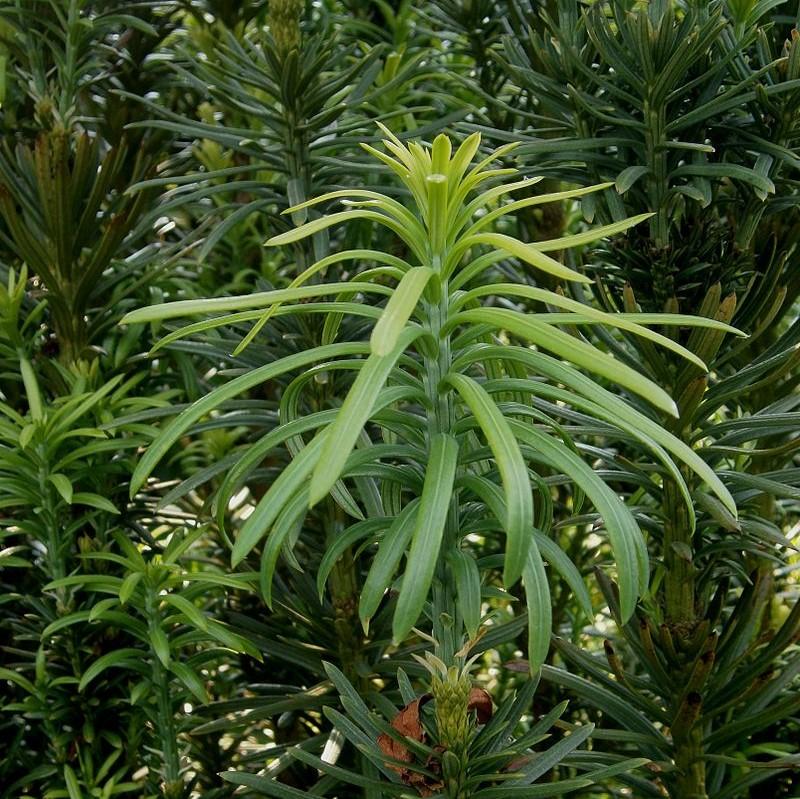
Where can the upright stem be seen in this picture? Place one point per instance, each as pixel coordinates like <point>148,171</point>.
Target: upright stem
<point>691,783</point>
<point>56,569</point>
<point>343,585</point>
<point>680,602</point>
<point>166,724</point>
<point>452,691</point>
<point>299,185</point>
<point>679,580</point>
<point>656,159</point>
<point>70,329</point>
<point>55,554</point>
<point>441,418</point>
<point>165,718</point>
<point>680,590</point>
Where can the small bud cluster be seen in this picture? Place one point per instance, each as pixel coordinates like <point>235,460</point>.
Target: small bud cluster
<point>284,23</point>
<point>451,693</point>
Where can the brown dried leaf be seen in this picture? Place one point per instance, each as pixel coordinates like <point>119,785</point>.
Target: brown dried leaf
<point>395,750</point>
<point>481,703</point>
<point>422,783</point>
<point>407,723</point>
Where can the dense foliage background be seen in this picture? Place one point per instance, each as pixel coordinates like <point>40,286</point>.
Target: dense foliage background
<point>476,478</point>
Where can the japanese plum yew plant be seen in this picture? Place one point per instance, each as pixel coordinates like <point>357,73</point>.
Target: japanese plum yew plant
<point>399,399</point>
<point>446,420</point>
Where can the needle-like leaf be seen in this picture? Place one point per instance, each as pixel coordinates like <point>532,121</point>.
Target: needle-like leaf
<point>429,526</point>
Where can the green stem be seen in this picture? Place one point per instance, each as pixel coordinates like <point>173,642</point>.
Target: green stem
<point>49,519</point>
<point>56,569</point>
<point>656,158</point>
<point>691,781</point>
<point>447,624</point>
<point>70,327</point>
<point>680,599</point>
<point>165,718</point>
<point>343,586</point>
<point>679,579</point>
<point>441,418</point>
